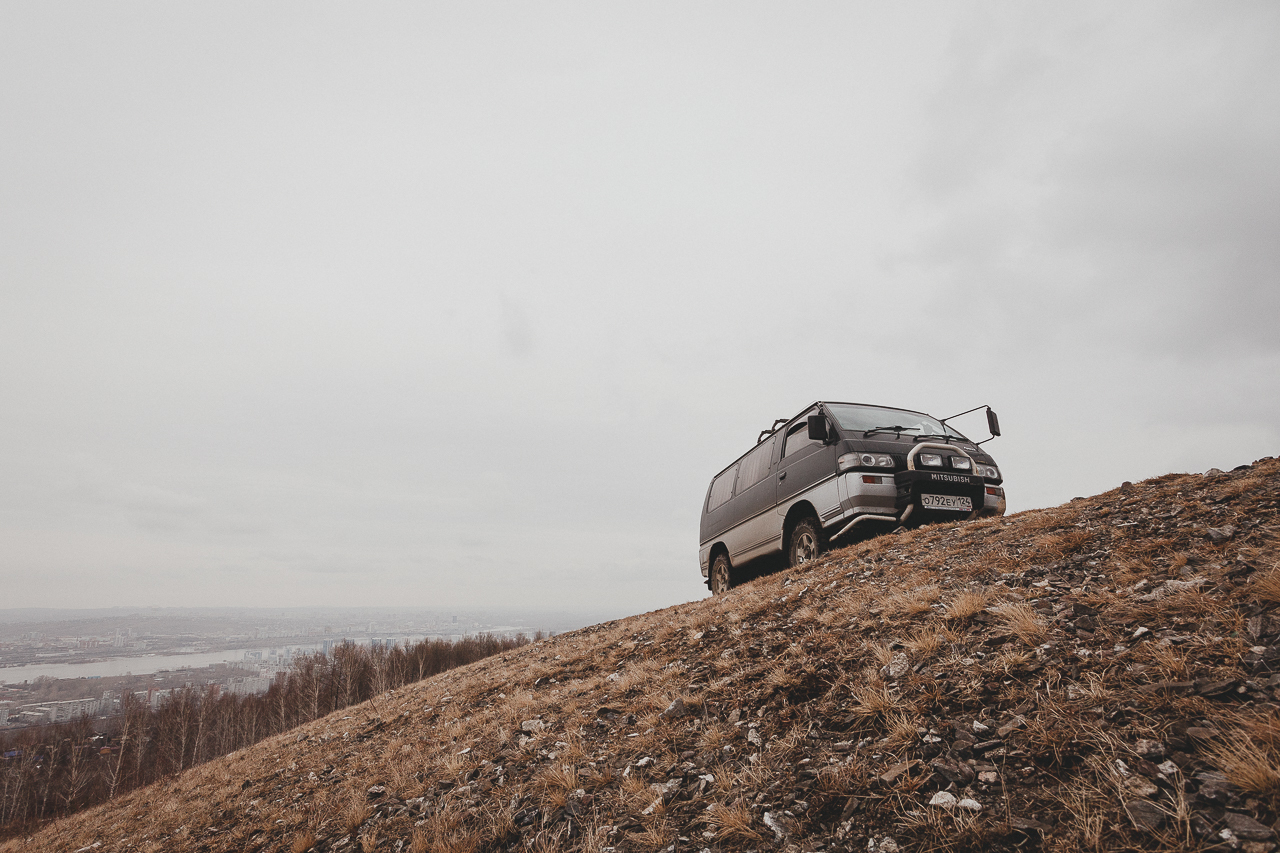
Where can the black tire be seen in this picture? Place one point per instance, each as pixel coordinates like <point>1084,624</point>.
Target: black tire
<point>720,579</point>
<point>805,543</point>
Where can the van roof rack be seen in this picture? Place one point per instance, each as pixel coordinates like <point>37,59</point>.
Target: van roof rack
<point>765,433</point>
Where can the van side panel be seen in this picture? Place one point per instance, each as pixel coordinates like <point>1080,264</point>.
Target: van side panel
<point>718,520</point>
<point>758,530</point>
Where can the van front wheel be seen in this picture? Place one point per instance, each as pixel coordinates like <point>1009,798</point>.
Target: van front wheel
<point>806,542</point>
<point>720,578</point>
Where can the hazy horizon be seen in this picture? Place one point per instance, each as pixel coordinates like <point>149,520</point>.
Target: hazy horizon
<point>463,305</point>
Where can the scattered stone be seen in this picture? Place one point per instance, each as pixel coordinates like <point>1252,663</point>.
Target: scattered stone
<point>882,844</point>
<point>989,777</point>
<point>1145,815</point>
<point>675,710</point>
<point>1246,828</point>
<point>899,665</point>
<point>961,774</point>
<point>533,727</point>
<point>891,775</point>
<point>1026,824</point>
<point>753,738</point>
<point>970,804</point>
<point>1149,749</point>
<point>944,800</point>
<point>771,821</point>
<point>1218,535</point>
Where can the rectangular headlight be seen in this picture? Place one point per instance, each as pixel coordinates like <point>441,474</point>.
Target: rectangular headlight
<point>933,460</point>
<point>961,463</point>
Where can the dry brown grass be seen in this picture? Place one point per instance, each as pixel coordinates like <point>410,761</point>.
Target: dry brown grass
<point>911,603</point>
<point>880,653</point>
<point>901,729</point>
<point>355,814</point>
<point>926,643</point>
<point>303,841</point>
<point>733,822</point>
<point>967,604</point>
<point>1056,546</point>
<point>1023,622</point>
<point>1266,585</point>
<point>1248,765</point>
<point>871,702</point>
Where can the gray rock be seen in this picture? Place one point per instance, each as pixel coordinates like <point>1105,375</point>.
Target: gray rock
<point>1145,815</point>
<point>883,844</point>
<point>961,774</point>
<point>1218,535</point>
<point>899,665</point>
<point>1026,824</point>
<point>1246,828</point>
<point>533,726</point>
<point>773,822</point>
<point>675,710</point>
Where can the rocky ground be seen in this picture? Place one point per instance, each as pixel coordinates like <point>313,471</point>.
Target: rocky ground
<point>1100,675</point>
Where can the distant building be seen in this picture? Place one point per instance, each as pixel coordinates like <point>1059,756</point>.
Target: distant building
<point>70,709</point>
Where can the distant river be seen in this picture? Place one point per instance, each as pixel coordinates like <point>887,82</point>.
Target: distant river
<point>141,665</point>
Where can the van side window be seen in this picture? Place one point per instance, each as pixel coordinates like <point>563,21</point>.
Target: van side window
<point>798,439</point>
<point>754,466</point>
<point>721,488</point>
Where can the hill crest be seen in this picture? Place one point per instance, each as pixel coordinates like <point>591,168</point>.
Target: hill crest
<point>1093,675</point>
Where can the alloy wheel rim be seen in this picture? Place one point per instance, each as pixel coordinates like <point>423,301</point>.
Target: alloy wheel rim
<point>806,547</point>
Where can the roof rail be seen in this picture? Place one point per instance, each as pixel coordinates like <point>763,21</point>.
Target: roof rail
<point>765,433</point>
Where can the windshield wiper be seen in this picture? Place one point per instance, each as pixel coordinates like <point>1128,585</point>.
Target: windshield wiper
<point>894,429</point>
<point>943,436</point>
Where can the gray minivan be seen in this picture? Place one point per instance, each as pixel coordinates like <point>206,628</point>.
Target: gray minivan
<point>834,469</point>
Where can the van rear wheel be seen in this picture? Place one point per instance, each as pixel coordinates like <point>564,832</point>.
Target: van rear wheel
<point>806,542</point>
<point>720,578</point>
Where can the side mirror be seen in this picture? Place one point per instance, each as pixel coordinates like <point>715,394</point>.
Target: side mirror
<point>818,427</point>
<point>993,422</point>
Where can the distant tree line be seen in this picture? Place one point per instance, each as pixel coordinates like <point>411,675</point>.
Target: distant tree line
<point>55,770</point>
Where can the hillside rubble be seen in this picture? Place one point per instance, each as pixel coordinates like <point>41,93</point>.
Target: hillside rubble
<point>1100,675</point>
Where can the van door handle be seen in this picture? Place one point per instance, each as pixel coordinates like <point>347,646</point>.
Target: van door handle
<point>782,476</point>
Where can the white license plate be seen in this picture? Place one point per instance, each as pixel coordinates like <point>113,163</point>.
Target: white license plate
<point>956,502</point>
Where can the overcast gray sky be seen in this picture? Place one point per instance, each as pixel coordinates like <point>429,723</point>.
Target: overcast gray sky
<point>436,304</point>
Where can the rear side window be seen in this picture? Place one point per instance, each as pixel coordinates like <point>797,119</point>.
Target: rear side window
<point>754,466</point>
<point>721,488</point>
<point>798,439</point>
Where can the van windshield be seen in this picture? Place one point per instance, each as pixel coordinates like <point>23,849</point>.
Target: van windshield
<point>863,418</point>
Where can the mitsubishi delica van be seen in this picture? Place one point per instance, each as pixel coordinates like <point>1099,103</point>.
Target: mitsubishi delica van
<point>836,471</point>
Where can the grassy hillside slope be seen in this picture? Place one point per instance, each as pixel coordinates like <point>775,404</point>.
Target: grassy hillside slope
<point>1092,676</point>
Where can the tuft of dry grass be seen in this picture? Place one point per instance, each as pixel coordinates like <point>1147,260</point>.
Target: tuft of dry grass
<point>913,602</point>
<point>881,653</point>
<point>901,729</point>
<point>874,701</point>
<point>1246,764</point>
<point>355,814</point>
<point>925,643</point>
<point>1023,622</point>
<point>733,822</point>
<point>303,841</point>
<point>1266,585</point>
<point>967,604</point>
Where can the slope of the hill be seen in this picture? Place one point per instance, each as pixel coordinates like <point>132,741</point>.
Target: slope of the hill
<point>1092,676</point>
